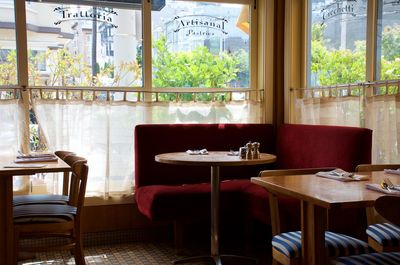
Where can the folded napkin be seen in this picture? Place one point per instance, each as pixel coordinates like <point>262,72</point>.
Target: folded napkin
<point>392,171</point>
<point>197,152</point>
<point>26,158</point>
<point>341,175</point>
<point>377,187</point>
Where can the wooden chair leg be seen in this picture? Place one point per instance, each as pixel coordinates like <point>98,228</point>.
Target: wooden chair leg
<point>78,249</point>
<point>78,253</point>
<point>16,246</point>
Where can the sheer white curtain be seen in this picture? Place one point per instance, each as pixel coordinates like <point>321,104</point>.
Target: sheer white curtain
<point>379,111</point>
<point>103,132</point>
<point>383,117</point>
<point>11,116</point>
<point>328,111</point>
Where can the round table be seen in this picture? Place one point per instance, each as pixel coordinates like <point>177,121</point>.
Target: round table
<point>213,160</point>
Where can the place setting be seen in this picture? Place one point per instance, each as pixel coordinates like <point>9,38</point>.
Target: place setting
<point>31,160</point>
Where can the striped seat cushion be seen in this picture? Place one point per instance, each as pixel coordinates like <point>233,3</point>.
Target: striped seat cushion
<point>40,199</point>
<point>386,234</point>
<point>43,213</point>
<point>384,258</point>
<point>336,244</point>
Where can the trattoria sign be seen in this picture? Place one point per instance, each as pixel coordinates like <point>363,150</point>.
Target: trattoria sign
<point>99,14</point>
<point>338,7</point>
<point>200,25</point>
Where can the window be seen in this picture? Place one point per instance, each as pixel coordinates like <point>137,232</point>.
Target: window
<point>8,55</point>
<point>200,44</point>
<point>194,44</point>
<point>85,44</point>
<point>388,40</point>
<point>337,42</point>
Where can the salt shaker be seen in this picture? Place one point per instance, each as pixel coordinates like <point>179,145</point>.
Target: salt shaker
<point>256,151</point>
<point>249,151</point>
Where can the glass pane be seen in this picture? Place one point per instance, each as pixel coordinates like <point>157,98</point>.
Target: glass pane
<point>85,45</point>
<point>388,40</point>
<point>8,55</point>
<point>199,44</point>
<point>337,42</point>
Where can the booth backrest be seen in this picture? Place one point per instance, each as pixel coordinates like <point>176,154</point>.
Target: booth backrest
<point>153,139</point>
<point>301,146</point>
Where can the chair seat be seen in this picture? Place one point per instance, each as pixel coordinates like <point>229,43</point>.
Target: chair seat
<point>43,213</point>
<point>386,234</point>
<point>40,198</point>
<point>384,258</point>
<point>336,244</point>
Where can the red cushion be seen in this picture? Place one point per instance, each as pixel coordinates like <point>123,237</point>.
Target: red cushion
<point>163,202</point>
<point>151,140</point>
<point>302,146</point>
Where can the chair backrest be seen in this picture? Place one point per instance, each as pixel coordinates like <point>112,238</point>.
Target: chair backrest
<point>373,216</point>
<point>78,181</point>
<point>273,199</point>
<point>376,167</point>
<point>308,146</point>
<point>62,155</point>
<point>294,171</point>
<point>389,207</point>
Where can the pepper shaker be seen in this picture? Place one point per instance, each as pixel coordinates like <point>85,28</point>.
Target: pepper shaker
<point>249,151</point>
<point>256,151</point>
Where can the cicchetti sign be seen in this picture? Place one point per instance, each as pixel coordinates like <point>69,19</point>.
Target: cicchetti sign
<point>200,25</point>
<point>338,7</point>
<point>99,14</point>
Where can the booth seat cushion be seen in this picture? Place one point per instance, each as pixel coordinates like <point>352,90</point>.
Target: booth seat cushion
<point>388,258</point>
<point>188,201</point>
<point>336,244</point>
<point>386,234</point>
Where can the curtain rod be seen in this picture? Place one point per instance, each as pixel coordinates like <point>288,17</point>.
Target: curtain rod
<point>347,86</point>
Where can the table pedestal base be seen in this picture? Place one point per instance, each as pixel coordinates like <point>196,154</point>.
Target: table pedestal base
<point>217,260</point>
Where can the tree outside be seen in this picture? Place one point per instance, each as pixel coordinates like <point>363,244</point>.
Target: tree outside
<point>331,66</point>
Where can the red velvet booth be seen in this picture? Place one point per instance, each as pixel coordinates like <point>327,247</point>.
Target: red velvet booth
<point>182,193</point>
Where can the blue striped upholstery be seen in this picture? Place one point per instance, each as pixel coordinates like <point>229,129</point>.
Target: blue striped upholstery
<point>384,258</point>
<point>336,244</point>
<point>386,234</point>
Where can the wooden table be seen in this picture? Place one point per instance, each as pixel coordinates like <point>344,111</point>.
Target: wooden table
<point>317,195</point>
<point>213,160</point>
<point>6,197</point>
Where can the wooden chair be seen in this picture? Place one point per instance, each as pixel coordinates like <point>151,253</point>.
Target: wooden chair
<point>47,198</point>
<point>376,167</point>
<point>286,246</point>
<point>389,207</point>
<point>382,235</point>
<point>55,220</point>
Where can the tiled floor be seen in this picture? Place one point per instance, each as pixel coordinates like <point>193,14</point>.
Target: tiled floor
<point>130,253</point>
<point>152,248</point>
